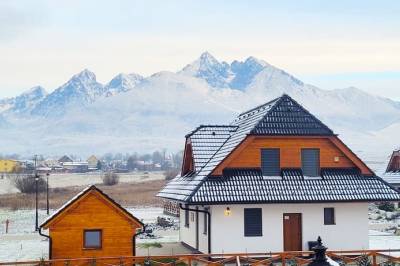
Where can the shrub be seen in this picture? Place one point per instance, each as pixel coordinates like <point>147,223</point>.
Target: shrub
<point>170,174</point>
<point>110,179</point>
<point>27,184</point>
<point>386,206</point>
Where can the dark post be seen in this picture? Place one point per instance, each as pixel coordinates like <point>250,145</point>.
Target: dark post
<point>36,176</point>
<point>37,214</point>
<point>319,255</point>
<point>47,192</point>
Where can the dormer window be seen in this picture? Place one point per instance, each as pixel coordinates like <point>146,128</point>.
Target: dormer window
<point>310,162</point>
<point>270,162</point>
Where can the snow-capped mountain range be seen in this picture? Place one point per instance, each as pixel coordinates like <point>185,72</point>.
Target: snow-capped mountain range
<point>135,113</point>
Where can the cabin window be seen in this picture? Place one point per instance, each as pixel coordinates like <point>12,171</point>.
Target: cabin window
<point>310,162</point>
<point>270,162</point>
<point>186,218</point>
<point>92,238</point>
<point>252,222</point>
<point>329,216</point>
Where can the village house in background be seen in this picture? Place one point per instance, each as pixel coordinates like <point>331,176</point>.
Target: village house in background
<point>9,166</point>
<point>275,179</point>
<point>91,225</point>
<point>92,162</point>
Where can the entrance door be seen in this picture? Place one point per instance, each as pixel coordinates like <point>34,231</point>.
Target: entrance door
<point>292,232</point>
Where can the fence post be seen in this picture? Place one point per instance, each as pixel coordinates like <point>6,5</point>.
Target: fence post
<point>374,259</point>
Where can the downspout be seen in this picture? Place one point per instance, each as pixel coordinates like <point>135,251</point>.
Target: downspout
<point>50,243</point>
<point>197,227</point>
<point>134,240</point>
<point>209,223</point>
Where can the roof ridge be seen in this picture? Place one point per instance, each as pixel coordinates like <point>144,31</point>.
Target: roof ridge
<point>261,105</point>
<point>277,104</point>
<point>204,126</point>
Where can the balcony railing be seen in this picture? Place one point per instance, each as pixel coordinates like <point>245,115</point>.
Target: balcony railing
<point>294,258</point>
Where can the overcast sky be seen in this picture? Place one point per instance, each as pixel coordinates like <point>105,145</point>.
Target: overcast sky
<point>330,44</point>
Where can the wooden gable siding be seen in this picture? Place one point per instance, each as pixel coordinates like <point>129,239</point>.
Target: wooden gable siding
<point>248,155</point>
<point>92,212</point>
<point>394,163</point>
<point>188,162</point>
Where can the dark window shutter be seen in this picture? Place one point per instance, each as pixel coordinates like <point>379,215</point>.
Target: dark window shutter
<point>270,162</point>
<point>253,222</point>
<point>310,162</point>
<point>329,216</point>
<point>186,218</point>
<point>205,222</point>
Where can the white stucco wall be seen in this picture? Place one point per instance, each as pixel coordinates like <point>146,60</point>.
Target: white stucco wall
<point>187,234</point>
<point>349,232</point>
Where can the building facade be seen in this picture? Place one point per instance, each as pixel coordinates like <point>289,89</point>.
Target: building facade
<point>9,166</point>
<point>274,179</point>
<point>91,225</point>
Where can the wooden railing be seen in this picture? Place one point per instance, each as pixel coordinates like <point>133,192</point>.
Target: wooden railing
<point>298,258</point>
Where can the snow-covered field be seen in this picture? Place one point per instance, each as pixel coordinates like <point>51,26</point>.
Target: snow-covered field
<point>23,243</point>
<point>72,179</point>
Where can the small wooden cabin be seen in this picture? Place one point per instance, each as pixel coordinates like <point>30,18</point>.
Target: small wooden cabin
<point>91,225</point>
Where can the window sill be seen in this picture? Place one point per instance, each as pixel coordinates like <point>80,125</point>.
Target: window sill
<point>92,248</point>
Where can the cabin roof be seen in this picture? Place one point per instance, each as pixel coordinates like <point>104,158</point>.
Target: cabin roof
<point>334,185</point>
<point>79,196</point>
<point>282,116</point>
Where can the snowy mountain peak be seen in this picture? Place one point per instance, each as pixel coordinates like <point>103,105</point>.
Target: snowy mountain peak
<point>207,59</point>
<point>84,75</point>
<point>24,102</point>
<point>122,83</point>
<point>79,91</point>
<point>255,61</point>
<point>210,69</point>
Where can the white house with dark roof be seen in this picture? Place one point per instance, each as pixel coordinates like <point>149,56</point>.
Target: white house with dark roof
<point>274,179</point>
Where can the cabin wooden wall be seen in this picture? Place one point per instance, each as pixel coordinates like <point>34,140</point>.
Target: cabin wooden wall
<point>92,212</point>
<point>290,153</point>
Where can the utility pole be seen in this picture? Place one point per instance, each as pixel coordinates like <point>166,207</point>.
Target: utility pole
<point>36,190</point>
<point>47,192</point>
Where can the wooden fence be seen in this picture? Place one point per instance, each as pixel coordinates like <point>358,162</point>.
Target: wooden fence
<point>295,258</point>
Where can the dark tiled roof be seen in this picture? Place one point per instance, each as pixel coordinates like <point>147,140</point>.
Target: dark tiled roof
<point>249,186</point>
<point>290,118</point>
<point>392,177</point>
<point>206,140</point>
